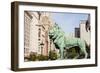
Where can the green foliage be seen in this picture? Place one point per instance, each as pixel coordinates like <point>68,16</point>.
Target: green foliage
<point>46,58</point>
<point>42,57</point>
<point>71,53</point>
<point>74,53</point>
<point>33,56</point>
<point>39,57</point>
<point>52,55</point>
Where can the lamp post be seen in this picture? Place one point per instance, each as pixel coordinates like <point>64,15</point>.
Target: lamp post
<point>42,44</point>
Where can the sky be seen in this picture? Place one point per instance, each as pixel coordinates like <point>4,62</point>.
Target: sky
<point>68,21</point>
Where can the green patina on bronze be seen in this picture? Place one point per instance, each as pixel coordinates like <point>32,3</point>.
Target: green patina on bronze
<point>58,36</point>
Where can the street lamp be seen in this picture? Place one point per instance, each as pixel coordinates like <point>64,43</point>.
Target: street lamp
<point>42,44</point>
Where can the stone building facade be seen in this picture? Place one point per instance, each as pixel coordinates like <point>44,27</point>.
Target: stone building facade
<point>28,19</point>
<point>36,29</point>
<point>83,31</point>
<point>84,34</point>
